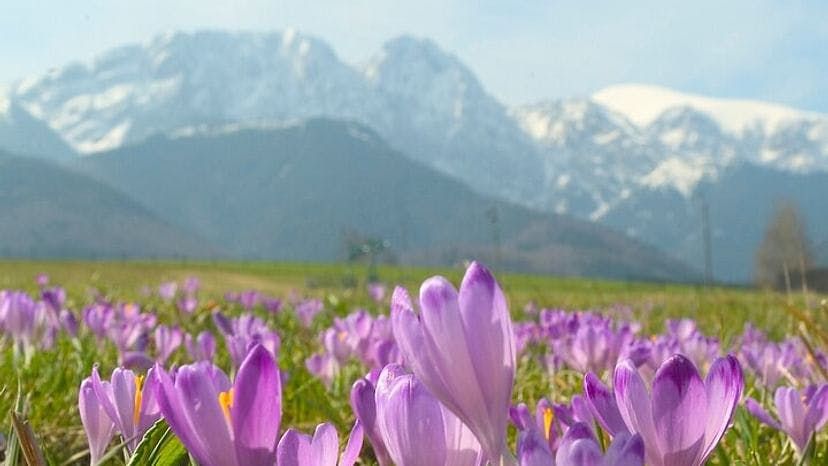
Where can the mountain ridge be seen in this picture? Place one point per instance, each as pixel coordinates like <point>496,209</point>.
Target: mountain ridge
<point>584,157</point>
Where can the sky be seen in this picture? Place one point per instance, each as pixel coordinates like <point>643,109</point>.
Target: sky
<point>521,50</point>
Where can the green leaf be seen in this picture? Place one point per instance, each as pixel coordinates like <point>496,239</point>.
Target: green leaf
<point>159,447</point>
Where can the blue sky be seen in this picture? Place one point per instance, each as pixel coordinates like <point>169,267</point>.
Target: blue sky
<point>522,50</point>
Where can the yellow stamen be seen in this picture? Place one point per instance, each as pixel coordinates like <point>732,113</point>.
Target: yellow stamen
<point>342,335</point>
<point>226,402</point>
<point>548,417</point>
<point>139,398</point>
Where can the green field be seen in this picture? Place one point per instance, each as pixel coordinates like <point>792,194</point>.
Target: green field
<point>50,380</point>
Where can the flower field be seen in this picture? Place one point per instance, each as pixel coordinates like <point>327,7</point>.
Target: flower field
<point>280,364</point>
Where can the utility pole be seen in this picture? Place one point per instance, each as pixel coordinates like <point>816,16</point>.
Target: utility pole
<point>491,215</point>
<point>707,242</point>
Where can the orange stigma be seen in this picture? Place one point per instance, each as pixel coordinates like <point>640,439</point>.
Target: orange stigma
<point>226,402</point>
<point>548,417</point>
<point>139,398</point>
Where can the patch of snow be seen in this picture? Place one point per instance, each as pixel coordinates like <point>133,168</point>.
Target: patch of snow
<point>673,138</point>
<point>682,175</point>
<point>642,104</point>
<point>606,138</point>
<point>599,212</point>
<point>111,140</point>
<point>4,103</point>
<point>561,207</point>
<point>768,155</point>
<point>563,181</point>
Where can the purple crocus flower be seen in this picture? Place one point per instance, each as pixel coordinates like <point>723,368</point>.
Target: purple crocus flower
<point>98,426</point>
<point>683,418</point>
<point>308,309</point>
<point>580,448</point>
<point>272,305</point>
<point>249,299</point>
<point>800,414</point>
<point>167,340</point>
<point>42,280</point>
<point>297,449</point>
<point>548,426</point>
<point>377,291</point>
<point>191,286</point>
<point>242,333</point>
<point>220,424</point>
<point>462,348</point>
<point>131,405</point>
<point>202,347</point>
<point>364,405</point>
<point>418,430</point>
<point>187,304</point>
<point>168,290</point>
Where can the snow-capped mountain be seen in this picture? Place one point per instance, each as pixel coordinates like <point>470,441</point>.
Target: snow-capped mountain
<point>627,149</point>
<point>632,137</point>
<point>419,98</point>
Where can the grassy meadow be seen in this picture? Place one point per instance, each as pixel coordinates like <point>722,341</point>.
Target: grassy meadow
<point>50,380</point>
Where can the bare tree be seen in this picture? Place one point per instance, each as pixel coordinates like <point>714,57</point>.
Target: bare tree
<point>784,249</point>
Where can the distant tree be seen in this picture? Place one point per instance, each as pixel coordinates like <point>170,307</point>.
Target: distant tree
<point>784,249</point>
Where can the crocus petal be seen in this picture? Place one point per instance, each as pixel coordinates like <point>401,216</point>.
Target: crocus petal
<point>625,450</point>
<point>324,446</point>
<point>756,410</point>
<point>364,405</point>
<point>634,405</point>
<point>98,426</point>
<point>103,391</point>
<point>123,393</point>
<point>520,416</point>
<point>603,406</point>
<point>294,449</point>
<point>490,340</point>
<point>462,446</point>
<point>792,415</point>
<point>679,411</point>
<point>533,450</point>
<point>257,408</point>
<point>171,405</point>
<point>724,385</point>
<point>578,447</point>
<point>817,413</point>
<point>410,420</point>
<point>352,449</point>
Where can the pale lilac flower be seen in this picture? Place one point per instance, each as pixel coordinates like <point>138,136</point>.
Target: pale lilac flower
<point>202,347</point>
<point>129,403</point>
<point>683,418</point>
<point>98,426</point>
<point>579,447</point>
<point>364,405</point>
<point>308,309</point>
<point>800,415</point>
<point>249,299</point>
<point>377,291</point>
<point>168,290</point>
<point>244,332</point>
<point>187,304</point>
<point>220,424</point>
<point>418,430</point>
<point>42,280</point>
<point>297,449</point>
<point>167,340</point>
<point>461,346</point>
